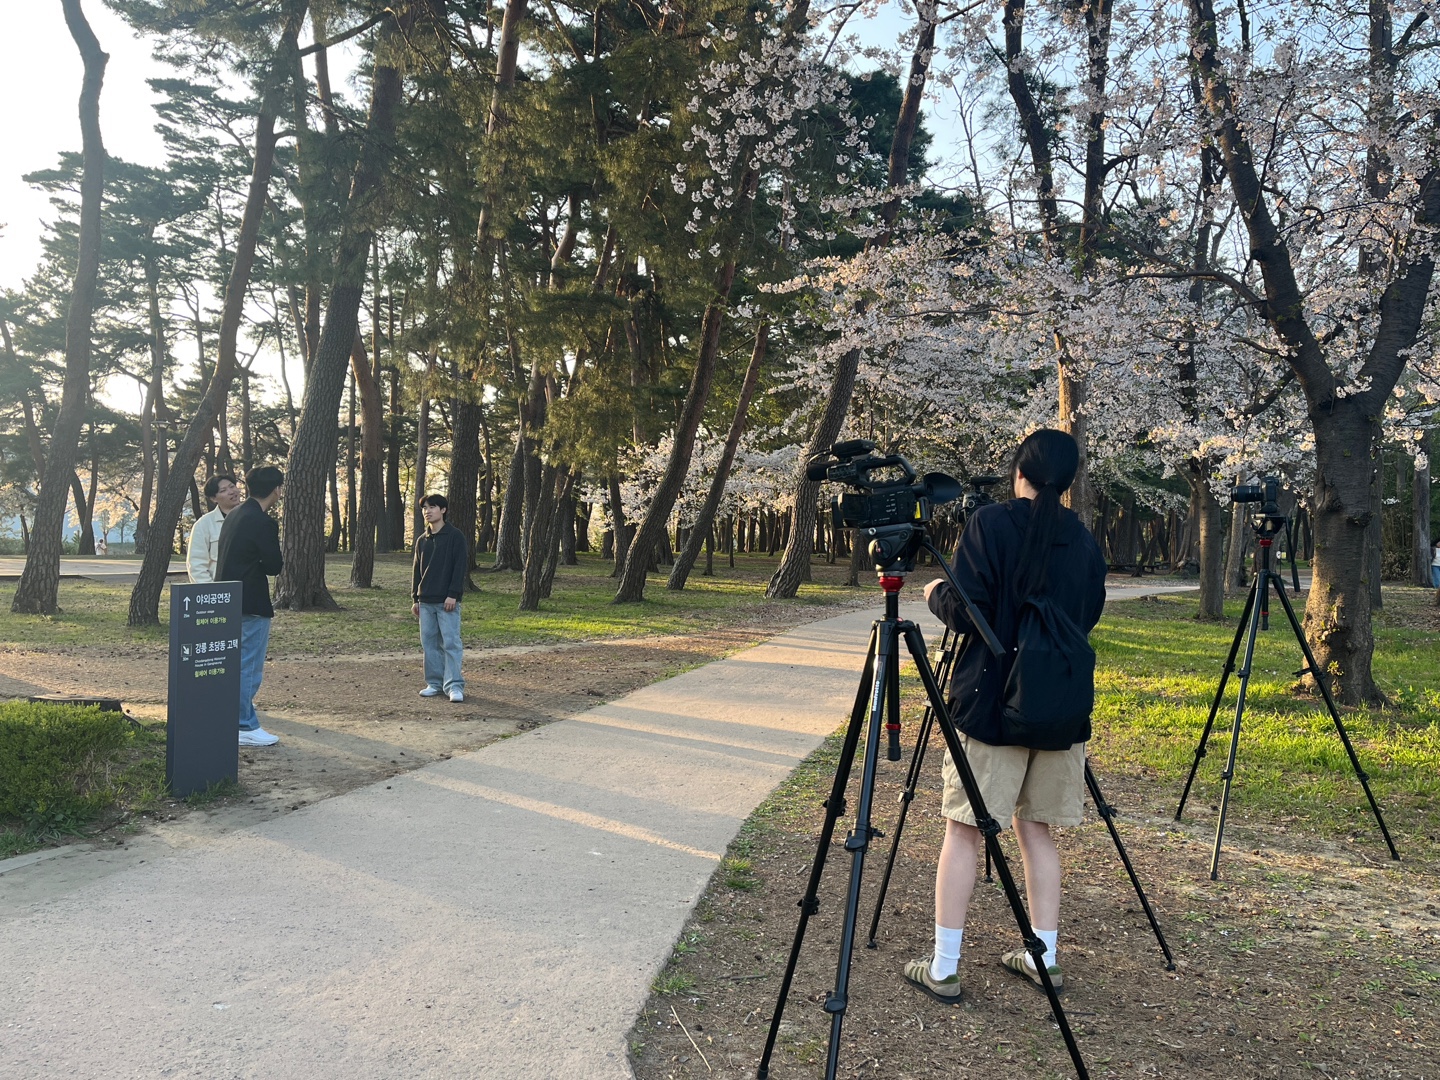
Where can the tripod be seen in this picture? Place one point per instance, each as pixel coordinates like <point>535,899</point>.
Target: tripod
<point>949,650</point>
<point>1254,618</point>
<point>878,696</point>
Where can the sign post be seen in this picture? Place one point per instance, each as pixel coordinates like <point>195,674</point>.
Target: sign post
<point>202,742</point>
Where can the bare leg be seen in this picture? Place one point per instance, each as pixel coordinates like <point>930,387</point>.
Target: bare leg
<point>1042,872</point>
<point>955,874</point>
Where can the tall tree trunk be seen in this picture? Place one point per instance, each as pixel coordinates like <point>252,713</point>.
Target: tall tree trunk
<point>542,537</point>
<point>1346,424</point>
<point>1420,553</point>
<point>509,555</point>
<point>422,457</point>
<point>700,531</point>
<point>794,565</point>
<point>465,466</point>
<point>145,598</point>
<point>1211,527</point>
<point>301,583</point>
<point>662,501</point>
<point>82,518</point>
<point>39,589</point>
<point>394,496</point>
<point>352,489</point>
<point>619,527</point>
<point>363,539</point>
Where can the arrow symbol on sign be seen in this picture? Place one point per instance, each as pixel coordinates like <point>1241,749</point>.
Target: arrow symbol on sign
<point>187,607</point>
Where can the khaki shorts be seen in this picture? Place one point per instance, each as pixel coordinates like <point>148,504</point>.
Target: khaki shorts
<point>1033,785</point>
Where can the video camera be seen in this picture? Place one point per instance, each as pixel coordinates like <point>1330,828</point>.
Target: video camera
<point>890,512</point>
<point>977,496</point>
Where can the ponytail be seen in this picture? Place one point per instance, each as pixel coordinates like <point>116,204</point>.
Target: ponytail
<point>1049,459</point>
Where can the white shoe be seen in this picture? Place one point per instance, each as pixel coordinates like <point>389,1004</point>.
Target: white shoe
<point>430,691</point>
<point>457,696</point>
<point>258,737</point>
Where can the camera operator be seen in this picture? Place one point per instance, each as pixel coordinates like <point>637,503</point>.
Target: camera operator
<point>1030,546</point>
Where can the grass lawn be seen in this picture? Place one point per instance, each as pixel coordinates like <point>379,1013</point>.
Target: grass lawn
<point>1156,677</point>
<point>379,619</point>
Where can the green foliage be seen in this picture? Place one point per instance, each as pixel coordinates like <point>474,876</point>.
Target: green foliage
<point>60,766</point>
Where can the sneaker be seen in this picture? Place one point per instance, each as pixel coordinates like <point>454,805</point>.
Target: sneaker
<point>430,691</point>
<point>946,991</point>
<point>258,737</point>
<point>1022,963</point>
<point>457,696</point>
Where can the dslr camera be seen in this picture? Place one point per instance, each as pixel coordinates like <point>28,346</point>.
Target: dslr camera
<point>891,509</point>
<point>1266,493</point>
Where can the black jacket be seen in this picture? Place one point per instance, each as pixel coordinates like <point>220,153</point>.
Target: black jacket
<point>441,559</point>
<point>986,562</point>
<point>250,550</point>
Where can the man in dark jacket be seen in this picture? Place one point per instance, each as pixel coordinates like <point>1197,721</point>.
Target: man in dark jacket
<point>437,583</point>
<point>249,553</point>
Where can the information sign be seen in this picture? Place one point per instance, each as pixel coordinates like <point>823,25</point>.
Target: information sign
<point>202,737</point>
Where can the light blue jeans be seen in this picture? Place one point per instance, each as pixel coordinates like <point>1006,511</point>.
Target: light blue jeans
<point>440,639</point>
<point>1434,576</point>
<point>254,640</point>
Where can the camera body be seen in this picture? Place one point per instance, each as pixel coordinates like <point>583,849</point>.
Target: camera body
<point>1266,493</point>
<point>890,511</point>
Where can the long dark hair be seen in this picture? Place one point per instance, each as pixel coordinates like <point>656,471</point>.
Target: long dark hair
<point>1048,459</point>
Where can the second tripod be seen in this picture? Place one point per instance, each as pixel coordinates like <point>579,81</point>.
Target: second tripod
<point>1256,617</point>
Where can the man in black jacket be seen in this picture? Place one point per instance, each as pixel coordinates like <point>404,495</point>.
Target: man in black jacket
<point>437,583</point>
<point>250,553</point>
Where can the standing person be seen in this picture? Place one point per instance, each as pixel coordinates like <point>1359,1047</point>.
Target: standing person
<point>437,583</point>
<point>250,553</point>
<point>1435,563</point>
<point>1030,546</point>
<point>204,549</point>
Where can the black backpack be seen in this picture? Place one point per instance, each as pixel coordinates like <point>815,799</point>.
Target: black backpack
<point>1050,690</point>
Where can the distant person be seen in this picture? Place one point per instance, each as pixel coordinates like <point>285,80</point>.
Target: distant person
<point>200,557</point>
<point>250,553</point>
<point>1435,563</point>
<point>437,583</point>
<point>101,547</point>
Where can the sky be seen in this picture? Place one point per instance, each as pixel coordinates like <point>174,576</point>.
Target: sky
<point>40,73</point>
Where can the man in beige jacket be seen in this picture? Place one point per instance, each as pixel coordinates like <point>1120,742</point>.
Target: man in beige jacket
<point>224,495</point>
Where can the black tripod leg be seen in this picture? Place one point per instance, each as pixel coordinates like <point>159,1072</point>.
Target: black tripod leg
<point>1229,774</point>
<point>887,668</point>
<point>948,647</point>
<point>1107,815</point>
<point>990,830</point>
<point>1335,716</point>
<point>834,807</point>
<point>1215,705</point>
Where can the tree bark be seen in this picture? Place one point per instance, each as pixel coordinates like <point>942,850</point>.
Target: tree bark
<point>794,565</point>
<point>363,539</point>
<point>1420,553</point>
<point>542,538</point>
<point>394,496</point>
<point>145,597</point>
<point>619,528</point>
<point>1212,543</point>
<point>465,463</point>
<point>39,590</point>
<point>509,554</point>
<point>301,583</point>
<point>657,514</point>
<point>422,455</point>
<point>1346,424</point>
<point>700,530</point>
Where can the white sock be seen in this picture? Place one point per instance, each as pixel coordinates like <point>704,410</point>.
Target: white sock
<point>1049,937</point>
<point>947,952</point>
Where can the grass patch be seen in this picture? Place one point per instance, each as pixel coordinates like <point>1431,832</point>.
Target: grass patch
<point>379,619</point>
<point>64,769</point>
<point>1157,672</point>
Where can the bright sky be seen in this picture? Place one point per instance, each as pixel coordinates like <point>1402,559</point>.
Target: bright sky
<point>40,74</point>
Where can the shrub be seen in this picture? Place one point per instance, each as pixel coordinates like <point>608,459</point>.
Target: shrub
<point>58,763</point>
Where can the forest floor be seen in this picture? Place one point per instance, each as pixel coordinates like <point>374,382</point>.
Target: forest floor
<point>1313,955</point>
<point>341,688</point>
